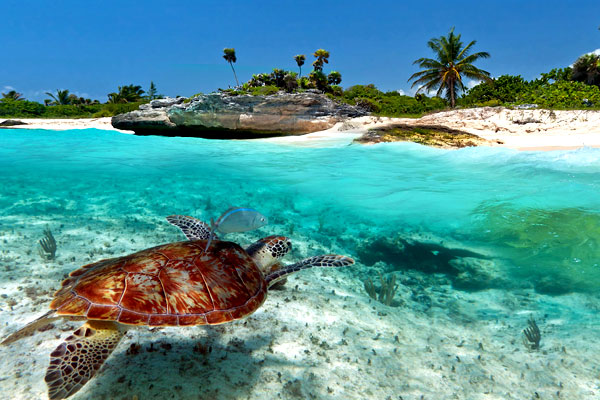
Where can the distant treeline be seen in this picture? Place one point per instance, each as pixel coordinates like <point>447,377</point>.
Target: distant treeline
<point>63,104</point>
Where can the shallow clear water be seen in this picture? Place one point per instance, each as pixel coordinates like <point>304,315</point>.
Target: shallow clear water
<point>537,213</point>
<point>479,239</point>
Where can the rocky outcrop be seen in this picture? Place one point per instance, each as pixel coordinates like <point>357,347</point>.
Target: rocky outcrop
<point>223,116</point>
<point>12,122</point>
<point>428,135</point>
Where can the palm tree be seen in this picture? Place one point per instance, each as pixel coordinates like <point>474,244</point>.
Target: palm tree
<point>322,58</point>
<point>230,57</point>
<point>334,78</point>
<point>300,61</point>
<point>446,71</point>
<point>587,69</point>
<point>127,94</point>
<point>60,98</point>
<point>13,95</point>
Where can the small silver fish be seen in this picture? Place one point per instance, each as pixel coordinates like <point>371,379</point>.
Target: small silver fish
<point>236,219</point>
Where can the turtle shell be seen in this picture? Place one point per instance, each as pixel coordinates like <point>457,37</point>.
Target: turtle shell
<point>168,285</point>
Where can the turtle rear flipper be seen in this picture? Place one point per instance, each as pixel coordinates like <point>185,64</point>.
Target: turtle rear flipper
<point>328,260</point>
<point>31,327</point>
<point>80,356</point>
<point>192,228</point>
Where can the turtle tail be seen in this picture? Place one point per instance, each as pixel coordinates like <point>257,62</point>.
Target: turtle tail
<point>328,260</point>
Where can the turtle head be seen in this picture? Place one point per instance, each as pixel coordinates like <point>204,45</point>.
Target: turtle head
<point>268,251</point>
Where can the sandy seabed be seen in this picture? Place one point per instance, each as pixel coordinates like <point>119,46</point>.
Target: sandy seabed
<point>321,337</point>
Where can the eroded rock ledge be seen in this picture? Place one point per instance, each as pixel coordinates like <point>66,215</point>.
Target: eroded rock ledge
<point>429,135</point>
<point>221,116</point>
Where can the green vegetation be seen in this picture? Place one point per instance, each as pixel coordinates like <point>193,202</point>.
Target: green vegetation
<point>392,104</point>
<point>555,90</point>
<point>300,58</point>
<point>63,104</point>
<point>152,92</point>
<point>322,57</point>
<point>229,56</point>
<point>587,69</point>
<point>127,94</point>
<point>31,109</point>
<point>446,71</point>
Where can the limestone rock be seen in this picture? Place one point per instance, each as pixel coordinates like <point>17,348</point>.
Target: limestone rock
<point>219,115</point>
<point>12,122</point>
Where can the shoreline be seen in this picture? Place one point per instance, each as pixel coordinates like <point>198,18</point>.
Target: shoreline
<point>62,124</point>
<point>524,130</point>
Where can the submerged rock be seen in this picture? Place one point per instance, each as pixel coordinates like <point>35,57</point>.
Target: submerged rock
<point>466,269</point>
<point>222,116</point>
<point>429,135</point>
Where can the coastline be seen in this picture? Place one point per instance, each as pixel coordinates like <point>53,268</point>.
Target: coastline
<point>525,130</point>
<point>61,124</point>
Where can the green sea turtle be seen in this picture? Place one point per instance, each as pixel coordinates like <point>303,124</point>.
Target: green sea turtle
<point>174,284</point>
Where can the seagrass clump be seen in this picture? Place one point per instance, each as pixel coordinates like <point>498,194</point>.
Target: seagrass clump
<point>47,247</point>
<point>385,292</point>
<point>532,335</point>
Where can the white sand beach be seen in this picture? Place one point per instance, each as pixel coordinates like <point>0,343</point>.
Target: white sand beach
<point>527,130</point>
<point>61,124</point>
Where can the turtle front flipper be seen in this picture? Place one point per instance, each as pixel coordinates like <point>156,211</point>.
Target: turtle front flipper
<point>328,260</point>
<point>192,228</point>
<point>80,356</point>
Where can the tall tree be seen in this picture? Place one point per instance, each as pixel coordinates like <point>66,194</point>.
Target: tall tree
<point>13,95</point>
<point>452,62</point>
<point>61,97</point>
<point>229,56</point>
<point>152,91</point>
<point>587,69</point>
<point>322,58</point>
<point>300,58</point>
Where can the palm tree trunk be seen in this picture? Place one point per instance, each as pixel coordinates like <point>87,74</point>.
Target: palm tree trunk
<point>452,99</point>
<point>300,76</point>
<point>234,74</point>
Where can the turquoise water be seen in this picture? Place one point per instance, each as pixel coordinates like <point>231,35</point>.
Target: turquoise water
<point>479,240</point>
<point>536,214</point>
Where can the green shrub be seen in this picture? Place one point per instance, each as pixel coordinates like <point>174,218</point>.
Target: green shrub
<point>264,90</point>
<point>102,114</point>
<point>367,104</point>
<point>290,82</point>
<point>562,94</point>
<point>23,108</point>
<point>120,108</point>
<point>390,104</point>
<point>491,103</point>
<point>71,111</point>
<point>336,90</point>
<point>504,89</point>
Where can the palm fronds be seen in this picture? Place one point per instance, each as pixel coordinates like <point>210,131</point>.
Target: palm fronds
<point>446,71</point>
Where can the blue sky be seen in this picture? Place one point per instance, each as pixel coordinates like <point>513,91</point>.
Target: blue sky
<point>91,47</point>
